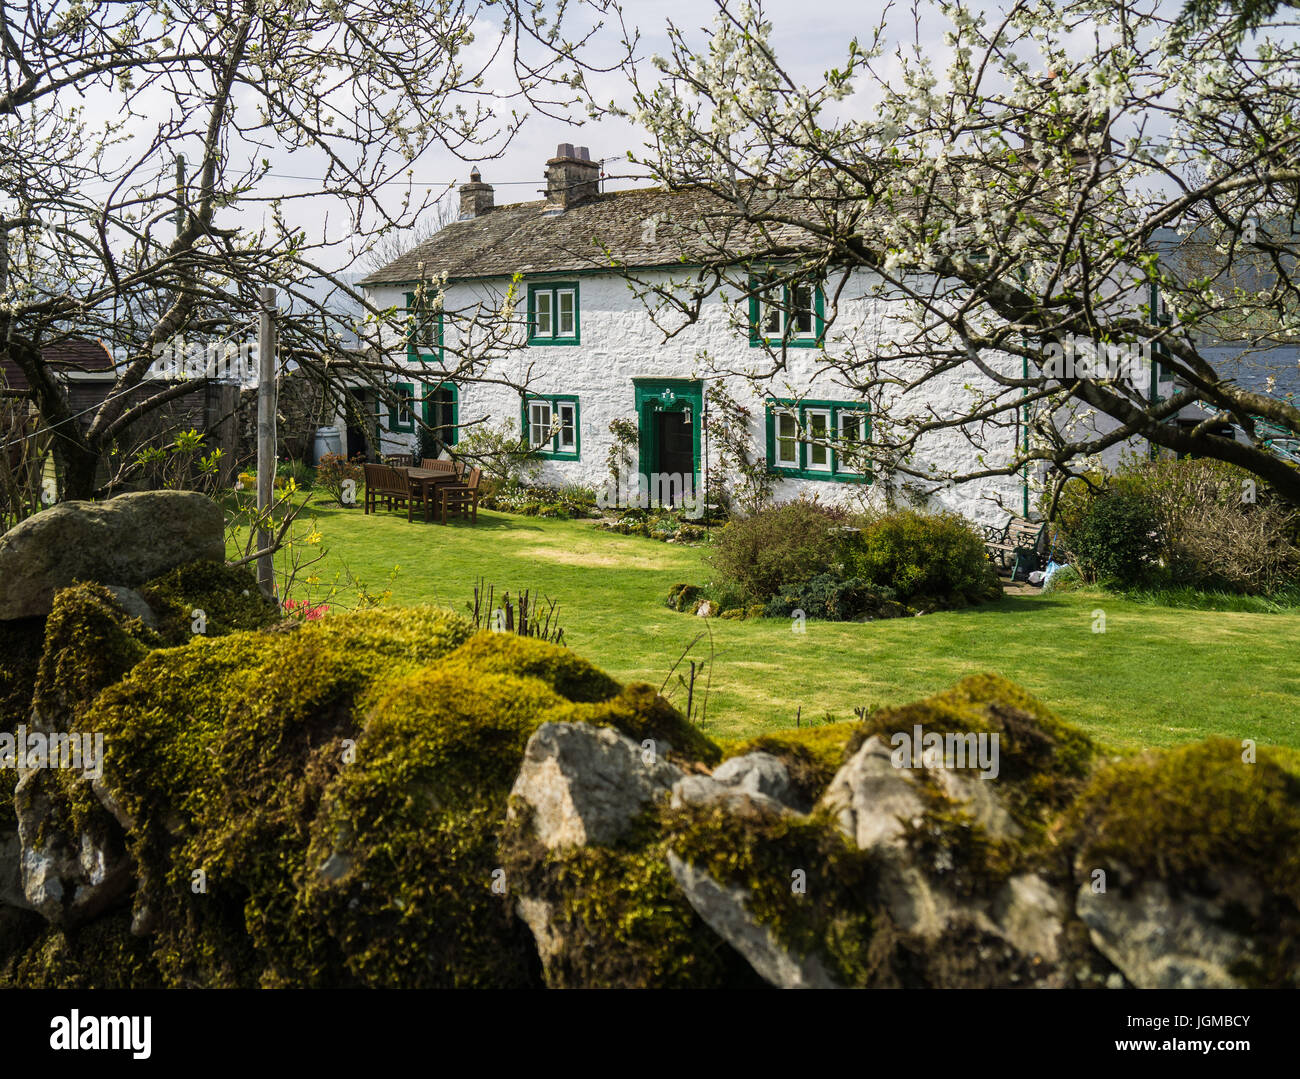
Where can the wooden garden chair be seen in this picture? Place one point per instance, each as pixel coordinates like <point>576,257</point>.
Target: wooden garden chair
<point>461,498</point>
<point>390,484</point>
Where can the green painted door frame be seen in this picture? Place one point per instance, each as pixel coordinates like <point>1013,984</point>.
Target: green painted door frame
<point>666,395</point>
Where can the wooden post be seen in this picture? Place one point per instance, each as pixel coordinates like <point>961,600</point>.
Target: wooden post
<point>266,435</point>
<point>4,254</point>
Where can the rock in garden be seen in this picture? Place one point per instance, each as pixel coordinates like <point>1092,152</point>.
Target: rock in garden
<point>68,876</point>
<point>724,910</point>
<point>586,784</point>
<point>1160,942</point>
<point>124,541</point>
<point>707,791</point>
<point>757,773</point>
<point>870,799</point>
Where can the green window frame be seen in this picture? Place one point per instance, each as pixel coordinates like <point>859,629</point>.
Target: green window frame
<point>424,334</point>
<point>1160,318</point>
<point>551,425</point>
<point>554,314</point>
<point>450,422</point>
<point>810,439</point>
<point>797,319</point>
<point>404,391</point>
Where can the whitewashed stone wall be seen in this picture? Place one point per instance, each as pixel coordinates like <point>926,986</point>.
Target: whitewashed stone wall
<point>620,343</point>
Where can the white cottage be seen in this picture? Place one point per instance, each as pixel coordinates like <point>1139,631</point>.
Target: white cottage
<point>580,349</point>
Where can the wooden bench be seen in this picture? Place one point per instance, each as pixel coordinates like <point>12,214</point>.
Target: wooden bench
<point>400,460</point>
<point>1017,547</point>
<point>436,464</point>
<point>392,485</point>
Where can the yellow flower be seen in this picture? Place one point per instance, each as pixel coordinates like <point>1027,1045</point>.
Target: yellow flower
<point>313,537</point>
<point>313,579</point>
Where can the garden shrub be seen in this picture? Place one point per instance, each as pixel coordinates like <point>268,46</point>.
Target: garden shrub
<point>1075,498</point>
<point>1117,538</point>
<point>500,453</point>
<point>922,556</point>
<point>563,503</point>
<point>835,599</point>
<point>302,473</point>
<point>1065,579</point>
<point>685,597</point>
<point>1218,527</point>
<point>758,556</point>
<point>334,471</point>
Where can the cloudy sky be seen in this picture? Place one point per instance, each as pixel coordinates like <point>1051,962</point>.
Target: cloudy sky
<point>811,35</point>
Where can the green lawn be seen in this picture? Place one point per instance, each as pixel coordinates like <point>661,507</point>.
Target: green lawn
<point>1156,676</point>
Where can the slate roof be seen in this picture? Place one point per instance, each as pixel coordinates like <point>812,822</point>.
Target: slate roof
<point>78,354</point>
<point>524,238</point>
<point>74,354</point>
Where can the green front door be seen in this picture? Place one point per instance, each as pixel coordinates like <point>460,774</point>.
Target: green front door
<point>668,414</point>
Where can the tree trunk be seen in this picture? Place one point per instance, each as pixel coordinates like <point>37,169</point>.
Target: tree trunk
<point>78,466</point>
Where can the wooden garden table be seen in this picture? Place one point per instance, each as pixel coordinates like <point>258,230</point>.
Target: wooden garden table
<point>425,480</point>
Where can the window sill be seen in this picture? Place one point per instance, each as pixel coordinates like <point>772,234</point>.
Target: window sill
<point>794,342</point>
<point>825,477</point>
<point>553,341</point>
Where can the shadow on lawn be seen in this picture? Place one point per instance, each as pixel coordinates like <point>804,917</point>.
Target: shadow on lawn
<point>1013,605</point>
<point>487,519</point>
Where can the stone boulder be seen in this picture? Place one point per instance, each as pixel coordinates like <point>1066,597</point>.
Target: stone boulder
<point>124,541</point>
<point>757,773</point>
<point>69,875</point>
<point>586,784</point>
<point>726,911</point>
<point>1163,942</point>
<point>920,824</point>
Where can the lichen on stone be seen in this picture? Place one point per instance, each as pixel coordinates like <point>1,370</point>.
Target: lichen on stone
<point>1204,821</point>
<point>812,755</point>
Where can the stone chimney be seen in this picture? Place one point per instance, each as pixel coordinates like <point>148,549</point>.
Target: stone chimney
<point>475,197</point>
<point>571,176</point>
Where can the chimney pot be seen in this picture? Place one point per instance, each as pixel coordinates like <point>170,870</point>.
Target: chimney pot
<point>475,197</point>
<point>571,177</point>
